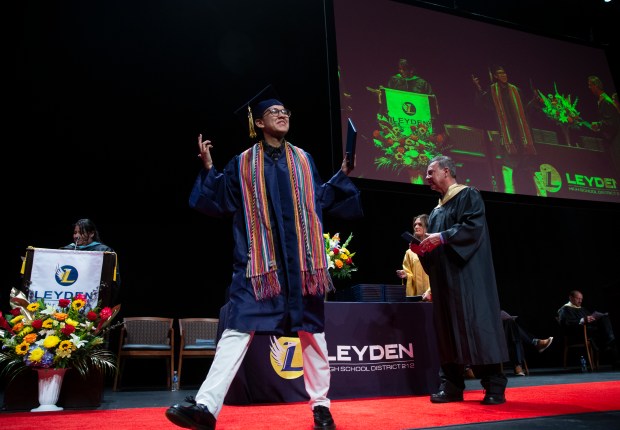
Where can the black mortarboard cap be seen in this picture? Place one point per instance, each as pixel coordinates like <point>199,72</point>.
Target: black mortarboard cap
<point>258,104</point>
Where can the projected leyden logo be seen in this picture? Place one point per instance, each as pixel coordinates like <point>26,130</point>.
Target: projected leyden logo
<point>66,275</point>
<point>550,180</point>
<point>285,357</point>
<point>409,108</point>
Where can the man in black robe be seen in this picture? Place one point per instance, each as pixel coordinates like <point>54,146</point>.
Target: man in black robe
<point>466,311</point>
<point>573,316</point>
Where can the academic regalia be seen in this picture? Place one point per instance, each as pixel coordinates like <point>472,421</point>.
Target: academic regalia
<point>219,194</point>
<point>601,329</point>
<point>465,299</point>
<point>93,246</point>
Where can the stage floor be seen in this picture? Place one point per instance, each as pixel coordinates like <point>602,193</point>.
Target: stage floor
<point>160,397</point>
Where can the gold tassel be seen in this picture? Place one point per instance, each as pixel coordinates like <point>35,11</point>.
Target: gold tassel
<point>251,123</point>
<point>23,269</point>
<point>115,266</point>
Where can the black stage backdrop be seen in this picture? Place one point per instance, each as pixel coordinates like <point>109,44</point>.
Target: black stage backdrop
<point>105,101</point>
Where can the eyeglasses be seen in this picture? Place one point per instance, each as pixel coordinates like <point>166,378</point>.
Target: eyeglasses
<point>275,112</point>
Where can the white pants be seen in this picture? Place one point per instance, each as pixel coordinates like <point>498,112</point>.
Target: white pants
<point>229,354</point>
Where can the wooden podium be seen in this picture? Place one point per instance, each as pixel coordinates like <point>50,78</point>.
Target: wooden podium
<point>51,274</point>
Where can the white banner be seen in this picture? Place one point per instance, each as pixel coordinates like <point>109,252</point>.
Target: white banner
<point>61,274</point>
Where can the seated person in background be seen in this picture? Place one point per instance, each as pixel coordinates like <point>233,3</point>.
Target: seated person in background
<point>86,238</point>
<point>516,337</point>
<point>573,316</point>
<point>418,283</point>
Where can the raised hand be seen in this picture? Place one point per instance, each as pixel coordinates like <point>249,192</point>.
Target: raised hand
<point>204,148</point>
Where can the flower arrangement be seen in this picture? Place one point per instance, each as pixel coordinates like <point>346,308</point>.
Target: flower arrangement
<point>339,258</point>
<point>40,335</point>
<point>560,108</point>
<point>406,150</point>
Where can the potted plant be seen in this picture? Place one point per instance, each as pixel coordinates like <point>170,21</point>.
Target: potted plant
<point>51,339</point>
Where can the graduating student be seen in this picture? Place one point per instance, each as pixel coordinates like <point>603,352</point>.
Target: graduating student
<point>276,199</point>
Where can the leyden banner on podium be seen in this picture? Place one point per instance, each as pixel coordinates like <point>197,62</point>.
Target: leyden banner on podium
<point>54,274</point>
<point>407,109</point>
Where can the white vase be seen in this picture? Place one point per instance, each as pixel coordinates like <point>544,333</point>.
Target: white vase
<point>50,381</point>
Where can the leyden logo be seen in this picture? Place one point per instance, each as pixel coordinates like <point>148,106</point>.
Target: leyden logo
<point>550,180</point>
<point>409,109</point>
<point>66,275</point>
<point>286,358</point>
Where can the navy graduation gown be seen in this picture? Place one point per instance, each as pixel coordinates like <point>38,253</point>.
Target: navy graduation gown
<point>219,194</point>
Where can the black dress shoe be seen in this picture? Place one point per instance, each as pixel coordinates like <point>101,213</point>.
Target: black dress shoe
<point>323,418</point>
<point>493,399</point>
<point>194,416</point>
<point>443,397</point>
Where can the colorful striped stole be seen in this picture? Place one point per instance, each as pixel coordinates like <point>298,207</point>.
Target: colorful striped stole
<point>525,139</point>
<point>262,267</point>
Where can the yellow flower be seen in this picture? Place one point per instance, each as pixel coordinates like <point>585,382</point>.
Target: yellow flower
<point>48,323</point>
<point>33,306</point>
<point>36,355</point>
<point>66,345</point>
<point>22,348</point>
<point>51,341</point>
<point>17,319</point>
<point>72,322</point>
<point>344,256</point>
<point>63,354</point>
<point>78,304</point>
<point>26,330</point>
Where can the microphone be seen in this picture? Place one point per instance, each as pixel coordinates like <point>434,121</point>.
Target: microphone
<point>76,242</point>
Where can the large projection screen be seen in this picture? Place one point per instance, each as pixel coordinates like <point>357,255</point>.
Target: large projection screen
<point>530,129</point>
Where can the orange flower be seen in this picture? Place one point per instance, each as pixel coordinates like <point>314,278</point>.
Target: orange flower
<point>30,338</point>
<point>338,263</point>
<point>60,316</point>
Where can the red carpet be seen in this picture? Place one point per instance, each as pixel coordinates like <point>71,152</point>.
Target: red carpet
<point>389,413</point>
